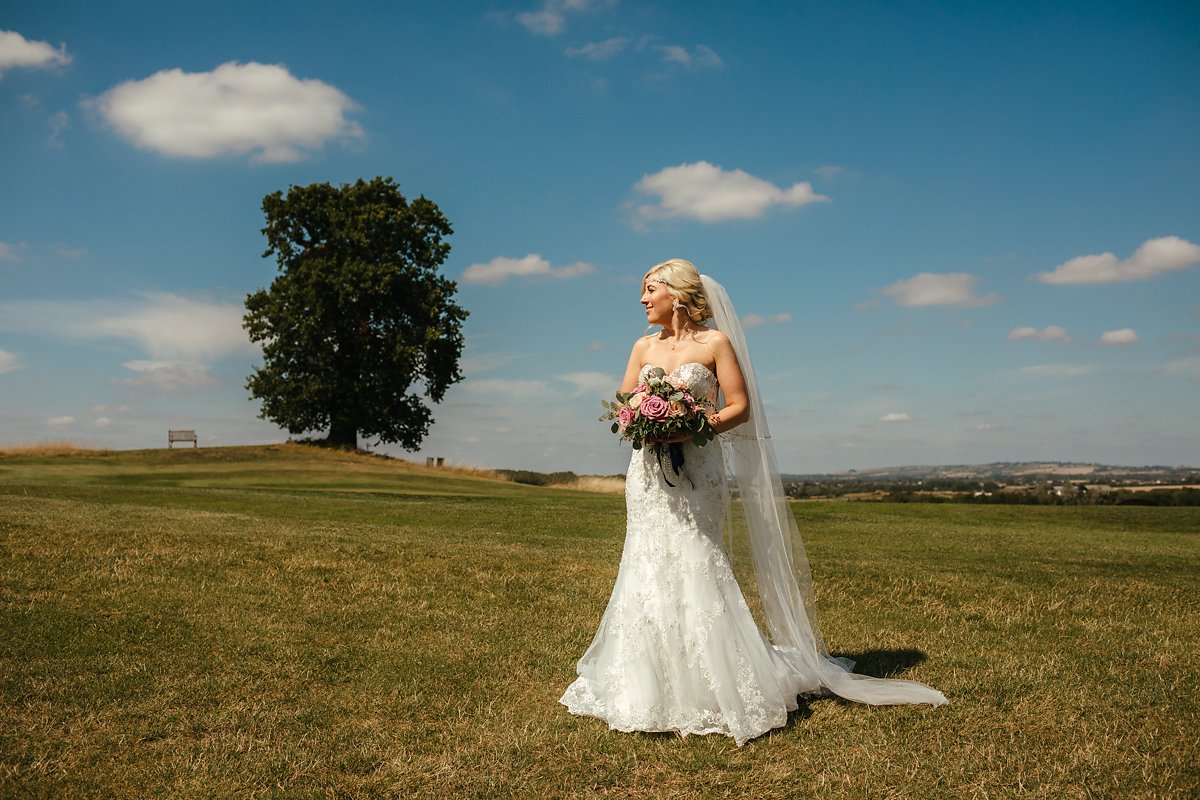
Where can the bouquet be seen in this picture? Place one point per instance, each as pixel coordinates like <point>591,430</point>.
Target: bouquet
<point>661,407</point>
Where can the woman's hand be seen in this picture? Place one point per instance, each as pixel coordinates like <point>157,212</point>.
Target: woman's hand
<point>685,436</point>
<point>714,420</point>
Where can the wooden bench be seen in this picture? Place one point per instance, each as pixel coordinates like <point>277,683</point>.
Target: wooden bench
<point>182,436</point>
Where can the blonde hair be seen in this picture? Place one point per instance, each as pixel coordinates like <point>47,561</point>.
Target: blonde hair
<point>682,281</point>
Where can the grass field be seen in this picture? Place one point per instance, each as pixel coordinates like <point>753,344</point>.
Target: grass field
<point>288,622</point>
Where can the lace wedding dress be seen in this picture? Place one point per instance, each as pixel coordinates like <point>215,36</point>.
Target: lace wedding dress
<point>677,648</point>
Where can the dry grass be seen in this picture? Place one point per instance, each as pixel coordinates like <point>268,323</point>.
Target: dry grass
<point>469,470</point>
<point>280,622</point>
<point>57,447</point>
<point>594,483</point>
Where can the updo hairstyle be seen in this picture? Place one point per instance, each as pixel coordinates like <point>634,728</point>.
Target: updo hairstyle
<point>682,281</point>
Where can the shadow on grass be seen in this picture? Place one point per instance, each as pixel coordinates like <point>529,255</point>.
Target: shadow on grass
<point>885,663</point>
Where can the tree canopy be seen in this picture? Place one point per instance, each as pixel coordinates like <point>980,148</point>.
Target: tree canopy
<point>358,315</point>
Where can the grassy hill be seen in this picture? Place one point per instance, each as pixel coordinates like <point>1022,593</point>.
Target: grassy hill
<point>291,622</point>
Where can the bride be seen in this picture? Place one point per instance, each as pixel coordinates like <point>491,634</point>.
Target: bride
<point>677,648</point>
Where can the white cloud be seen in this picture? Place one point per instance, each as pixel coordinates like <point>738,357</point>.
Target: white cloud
<point>1186,367</point>
<point>938,289</point>
<point>985,426</point>
<point>103,422</point>
<point>17,51</point>
<point>505,388</point>
<point>166,326</point>
<point>1155,257</point>
<point>1056,370</point>
<point>59,124</point>
<point>8,362</point>
<point>167,377</point>
<point>600,384</point>
<point>599,51</point>
<point>66,251</point>
<point>708,193</point>
<point>550,19</point>
<point>699,56</point>
<point>60,422</point>
<point>1050,333</point>
<point>754,320</point>
<point>1119,337</point>
<point>832,172</point>
<point>236,109</point>
<point>172,326</point>
<point>895,417</point>
<point>18,251</point>
<point>533,265</point>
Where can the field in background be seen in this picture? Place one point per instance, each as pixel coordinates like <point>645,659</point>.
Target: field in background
<point>286,621</point>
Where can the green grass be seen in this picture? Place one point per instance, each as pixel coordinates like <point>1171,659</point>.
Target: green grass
<point>289,622</point>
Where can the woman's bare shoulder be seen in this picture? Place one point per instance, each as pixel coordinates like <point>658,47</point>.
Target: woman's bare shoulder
<point>712,334</point>
<point>715,339</point>
<point>642,343</point>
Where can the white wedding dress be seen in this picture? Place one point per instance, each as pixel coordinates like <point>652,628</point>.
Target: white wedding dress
<point>677,648</point>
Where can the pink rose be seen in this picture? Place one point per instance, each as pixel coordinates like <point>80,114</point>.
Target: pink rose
<point>625,416</point>
<point>635,401</point>
<point>675,409</point>
<point>654,407</point>
<point>676,383</point>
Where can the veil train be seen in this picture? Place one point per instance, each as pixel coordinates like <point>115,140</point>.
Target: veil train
<point>777,550</point>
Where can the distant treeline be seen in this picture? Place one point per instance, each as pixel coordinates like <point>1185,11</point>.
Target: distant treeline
<point>1081,497</point>
<point>532,478</point>
<point>943,490</point>
<point>822,489</point>
<point>990,492</point>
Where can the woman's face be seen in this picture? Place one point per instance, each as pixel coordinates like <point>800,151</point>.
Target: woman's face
<point>658,303</point>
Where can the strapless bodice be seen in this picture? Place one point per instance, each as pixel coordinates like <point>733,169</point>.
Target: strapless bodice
<point>700,380</point>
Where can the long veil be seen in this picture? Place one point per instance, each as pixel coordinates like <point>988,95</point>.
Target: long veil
<point>777,551</point>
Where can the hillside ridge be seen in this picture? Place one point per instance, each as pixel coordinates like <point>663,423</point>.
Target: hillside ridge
<point>1012,471</point>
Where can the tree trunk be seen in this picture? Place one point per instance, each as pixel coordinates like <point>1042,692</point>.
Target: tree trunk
<point>343,434</point>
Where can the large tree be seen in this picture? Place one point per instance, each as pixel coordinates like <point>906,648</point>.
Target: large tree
<point>358,314</point>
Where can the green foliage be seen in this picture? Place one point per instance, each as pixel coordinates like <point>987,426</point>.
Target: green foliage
<point>531,478</point>
<point>642,430</point>
<point>358,314</point>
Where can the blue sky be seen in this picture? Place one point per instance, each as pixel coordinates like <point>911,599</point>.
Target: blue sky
<point>959,232</point>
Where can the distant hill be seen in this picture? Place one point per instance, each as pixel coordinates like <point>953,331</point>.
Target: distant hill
<point>1013,472</point>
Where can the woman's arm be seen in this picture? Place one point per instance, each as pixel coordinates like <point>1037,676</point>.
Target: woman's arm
<point>634,367</point>
<point>733,385</point>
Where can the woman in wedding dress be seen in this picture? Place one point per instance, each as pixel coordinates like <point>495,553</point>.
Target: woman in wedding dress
<point>677,648</point>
